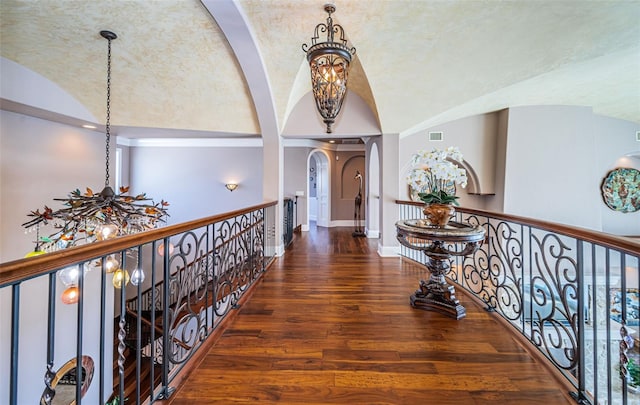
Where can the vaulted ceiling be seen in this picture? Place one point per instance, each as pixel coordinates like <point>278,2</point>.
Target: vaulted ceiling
<point>194,67</point>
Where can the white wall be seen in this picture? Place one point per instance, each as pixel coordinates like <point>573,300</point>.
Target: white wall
<point>41,160</point>
<point>192,179</point>
<point>477,139</point>
<point>390,191</point>
<point>556,159</point>
<point>617,147</point>
<point>296,178</point>
<point>547,162</point>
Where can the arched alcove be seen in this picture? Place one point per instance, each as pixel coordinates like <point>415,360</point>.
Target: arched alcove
<point>348,184</point>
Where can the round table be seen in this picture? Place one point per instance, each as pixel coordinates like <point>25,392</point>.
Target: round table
<point>439,244</point>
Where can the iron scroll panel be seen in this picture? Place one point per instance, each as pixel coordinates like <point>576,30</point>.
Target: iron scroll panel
<point>530,277</point>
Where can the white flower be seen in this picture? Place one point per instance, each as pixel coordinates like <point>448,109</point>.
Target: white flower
<point>433,171</point>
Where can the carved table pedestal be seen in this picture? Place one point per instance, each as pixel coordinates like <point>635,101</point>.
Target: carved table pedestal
<point>439,244</point>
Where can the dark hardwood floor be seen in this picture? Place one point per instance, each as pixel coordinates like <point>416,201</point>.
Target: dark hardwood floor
<point>331,323</point>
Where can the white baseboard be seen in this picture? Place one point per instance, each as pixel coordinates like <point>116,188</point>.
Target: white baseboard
<point>305,228</point>
<point>388,251</point>
<point>371,234</point>
<point>279,250</point>
<point>343,222</point>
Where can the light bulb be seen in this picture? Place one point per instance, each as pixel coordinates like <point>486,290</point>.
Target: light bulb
<point>120,276</point>
<point>111,264</point>
<point>69,276</point>
<point>137,276</point>
<point>106,231</point>
<point>161,249</point>
<point>70,295</point>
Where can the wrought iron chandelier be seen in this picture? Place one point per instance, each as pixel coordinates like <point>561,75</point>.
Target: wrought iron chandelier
<point>329,62</point>
<point>87,217</point>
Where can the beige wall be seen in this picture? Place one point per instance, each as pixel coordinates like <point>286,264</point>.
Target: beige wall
<point>344,187</point>
<point>41,160</point>
<point>544,162</point>
<point>296,178</point>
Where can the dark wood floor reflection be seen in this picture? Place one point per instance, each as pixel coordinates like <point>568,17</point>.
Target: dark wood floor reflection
<point>330,323</point>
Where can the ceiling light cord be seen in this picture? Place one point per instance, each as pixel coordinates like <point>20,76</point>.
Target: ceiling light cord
<point>109,36</point>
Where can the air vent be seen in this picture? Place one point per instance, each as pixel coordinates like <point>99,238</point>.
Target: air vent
<point>638,136</point>
<point>435,136</point>
<point>351,141</point>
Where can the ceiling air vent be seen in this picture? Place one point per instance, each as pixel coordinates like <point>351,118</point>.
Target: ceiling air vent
<point>435,136</point>
<point>638,136</point>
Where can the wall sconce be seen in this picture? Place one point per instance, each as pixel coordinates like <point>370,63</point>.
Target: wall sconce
<point>231,186</point>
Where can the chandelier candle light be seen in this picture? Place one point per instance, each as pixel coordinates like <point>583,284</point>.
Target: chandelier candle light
<point>88,217</point>
<point>433,177</point>
<point>329,62</point>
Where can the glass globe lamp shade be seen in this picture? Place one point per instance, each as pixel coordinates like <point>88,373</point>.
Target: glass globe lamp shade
<point>69,276</point>
<point>120,278</point>
<point>111,264</point>
<point>106,231</point>
<point>137,277</point>
<point>70,295</point>
<point>161,249</point>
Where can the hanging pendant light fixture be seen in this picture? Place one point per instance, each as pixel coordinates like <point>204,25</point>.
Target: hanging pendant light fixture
<point>88,217</point>
<point>329,62</point>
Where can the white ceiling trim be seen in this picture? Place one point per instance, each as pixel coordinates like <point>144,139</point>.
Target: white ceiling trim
<point>191,142</point>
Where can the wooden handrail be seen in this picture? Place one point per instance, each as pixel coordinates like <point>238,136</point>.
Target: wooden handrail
<point>22,269</point>
<point>620,243</point>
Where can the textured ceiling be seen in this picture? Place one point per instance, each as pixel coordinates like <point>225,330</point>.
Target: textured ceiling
<point>418,63</point>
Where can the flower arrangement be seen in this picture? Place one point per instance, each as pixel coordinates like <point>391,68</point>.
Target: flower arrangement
<point>434,177</point>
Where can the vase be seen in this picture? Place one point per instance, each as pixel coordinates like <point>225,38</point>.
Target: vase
<point>438,214</point>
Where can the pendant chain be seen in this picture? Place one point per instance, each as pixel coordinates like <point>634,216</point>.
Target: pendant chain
<point>108,126</point>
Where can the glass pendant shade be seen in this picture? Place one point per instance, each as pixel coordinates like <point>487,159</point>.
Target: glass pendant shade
<point>161,249</point>
<point>137,277</point>
<point>70,295</point>
<point>106,231</point>
<point>120,278</point>
<point>111,264</point>
<point>329,85</point>
<point>69,276</point>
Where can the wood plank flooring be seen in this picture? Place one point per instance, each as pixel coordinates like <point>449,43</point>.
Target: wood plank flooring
<point>331,323</point>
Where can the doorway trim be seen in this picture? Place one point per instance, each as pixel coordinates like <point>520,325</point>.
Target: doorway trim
<point>323,176</point>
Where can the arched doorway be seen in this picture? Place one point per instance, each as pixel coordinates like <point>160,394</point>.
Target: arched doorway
<point>318,189</point>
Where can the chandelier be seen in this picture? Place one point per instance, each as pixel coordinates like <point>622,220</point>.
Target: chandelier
<point>87,216</point>
<point>329,62</point>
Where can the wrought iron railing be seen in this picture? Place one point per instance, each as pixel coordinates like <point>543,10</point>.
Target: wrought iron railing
<point>573,293</point>
<point>288,221</point>
<point>133,341</point>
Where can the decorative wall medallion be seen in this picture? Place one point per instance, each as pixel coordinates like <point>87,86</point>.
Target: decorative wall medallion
<point>621,189</point>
